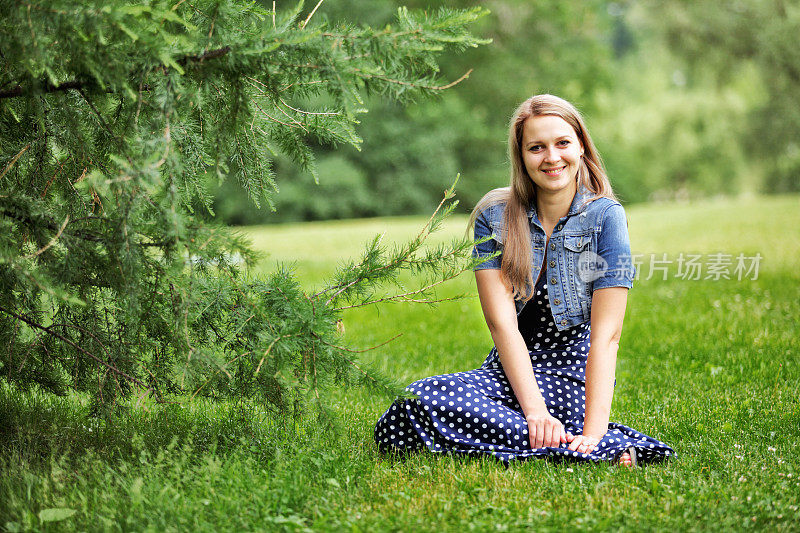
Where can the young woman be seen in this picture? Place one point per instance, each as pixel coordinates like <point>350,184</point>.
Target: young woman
<point>553,291</point>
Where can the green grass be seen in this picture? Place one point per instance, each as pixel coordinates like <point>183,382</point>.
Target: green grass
<point>710,367</point>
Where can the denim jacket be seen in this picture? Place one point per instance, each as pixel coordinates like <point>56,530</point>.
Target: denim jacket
<point>589,249</point>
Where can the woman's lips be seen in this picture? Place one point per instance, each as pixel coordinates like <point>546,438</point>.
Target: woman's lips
<point>553,171</point>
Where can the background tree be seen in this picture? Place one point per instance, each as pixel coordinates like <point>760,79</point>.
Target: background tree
<point>117,121</point>
<point>673,93</point>
<point>725,44</point>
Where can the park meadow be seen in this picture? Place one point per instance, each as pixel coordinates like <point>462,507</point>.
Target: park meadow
<point>707,365</point>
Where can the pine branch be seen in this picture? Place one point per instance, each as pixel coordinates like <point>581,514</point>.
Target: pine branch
<point>345,349</point>
<point>47,87</point>
<point>368,76</point>
<point>14,160</point>
<point>52,333</point>
<point>403,297</point>
<point>49,244</point>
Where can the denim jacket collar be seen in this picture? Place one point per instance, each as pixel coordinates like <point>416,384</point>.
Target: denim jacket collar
<point>577,205</point>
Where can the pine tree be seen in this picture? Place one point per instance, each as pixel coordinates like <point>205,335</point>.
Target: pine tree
<point>116,117</point>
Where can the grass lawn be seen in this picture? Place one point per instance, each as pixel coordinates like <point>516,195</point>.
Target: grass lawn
<point>709,366</point>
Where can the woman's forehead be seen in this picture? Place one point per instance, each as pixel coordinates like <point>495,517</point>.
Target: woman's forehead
<point>545,127</point>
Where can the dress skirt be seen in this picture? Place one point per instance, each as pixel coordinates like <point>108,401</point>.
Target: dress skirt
<point>476,413</point>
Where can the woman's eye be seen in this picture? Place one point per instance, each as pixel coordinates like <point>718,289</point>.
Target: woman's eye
<point>563,142</point>
<point>535,148</point>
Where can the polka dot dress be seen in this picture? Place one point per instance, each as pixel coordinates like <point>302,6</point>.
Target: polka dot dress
<point>476,412</point>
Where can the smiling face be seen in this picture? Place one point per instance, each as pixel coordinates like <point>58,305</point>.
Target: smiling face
<point>551,153</point>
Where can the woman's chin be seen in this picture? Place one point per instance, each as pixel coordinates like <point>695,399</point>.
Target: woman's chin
<point>555,185</point>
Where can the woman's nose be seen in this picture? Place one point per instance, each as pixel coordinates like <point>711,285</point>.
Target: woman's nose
<point>550,155</point>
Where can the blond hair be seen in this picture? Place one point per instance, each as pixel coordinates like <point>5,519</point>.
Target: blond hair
<point>516,267</point>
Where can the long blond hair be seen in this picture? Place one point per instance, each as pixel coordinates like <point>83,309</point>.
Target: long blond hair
<point>516,267</point>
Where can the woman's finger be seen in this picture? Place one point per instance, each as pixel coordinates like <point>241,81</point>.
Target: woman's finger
<point>539,433</point>
<point>547,433</point>
<point>575,442</point>
<point>532,434</point>
<point>555,434</point>
<point>588,445</point>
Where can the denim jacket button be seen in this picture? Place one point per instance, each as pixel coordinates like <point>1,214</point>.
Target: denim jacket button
<point>552,263</point>
<point>553,281</point>
<point>556,301</point>
<point>552,246</point>
<point>563,321</point>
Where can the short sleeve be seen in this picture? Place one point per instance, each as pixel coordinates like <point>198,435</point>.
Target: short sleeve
<point>486,248</point>
<point>614,247</point>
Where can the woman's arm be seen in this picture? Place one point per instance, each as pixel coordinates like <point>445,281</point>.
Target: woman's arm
<point>497,302</point>
<point>608,311</point>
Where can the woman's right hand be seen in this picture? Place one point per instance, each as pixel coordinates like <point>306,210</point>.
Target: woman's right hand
<point>545,430</point>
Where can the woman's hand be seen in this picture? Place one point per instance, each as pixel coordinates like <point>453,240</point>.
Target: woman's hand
<point>583,443</point>
<point>545,430</point>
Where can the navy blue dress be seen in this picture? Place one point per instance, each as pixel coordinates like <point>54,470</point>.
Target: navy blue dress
<point>476,413</point>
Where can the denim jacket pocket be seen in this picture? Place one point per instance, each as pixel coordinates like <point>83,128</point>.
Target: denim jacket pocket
<point>576,243</point>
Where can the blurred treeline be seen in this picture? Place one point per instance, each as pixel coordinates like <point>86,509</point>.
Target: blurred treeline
<point>683,99</point>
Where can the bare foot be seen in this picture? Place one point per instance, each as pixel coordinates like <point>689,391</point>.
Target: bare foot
<point>625,459</point>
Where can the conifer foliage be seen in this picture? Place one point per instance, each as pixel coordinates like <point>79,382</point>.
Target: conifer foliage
<point>115,118</point>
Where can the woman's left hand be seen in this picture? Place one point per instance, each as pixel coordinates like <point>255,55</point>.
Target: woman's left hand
<point>583,443</point>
